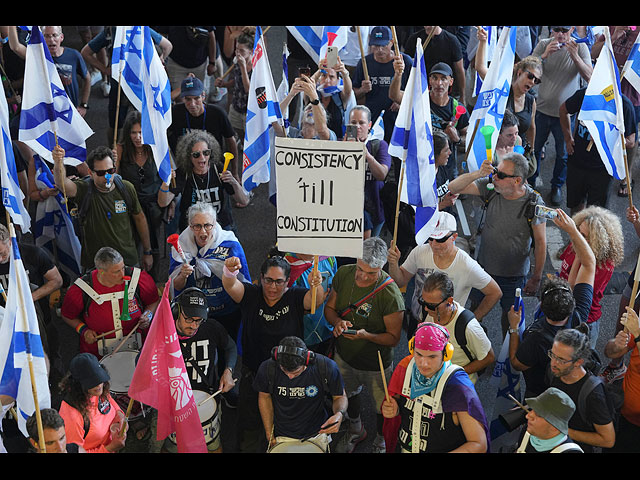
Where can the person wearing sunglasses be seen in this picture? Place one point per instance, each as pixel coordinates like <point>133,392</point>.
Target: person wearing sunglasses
<point>566,66</point>
<point>112,216</point>
<point>271,310</point>
<point>200,177</point>
<point>508,228</point>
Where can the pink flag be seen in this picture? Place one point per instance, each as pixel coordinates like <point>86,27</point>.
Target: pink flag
<point>160,380</point>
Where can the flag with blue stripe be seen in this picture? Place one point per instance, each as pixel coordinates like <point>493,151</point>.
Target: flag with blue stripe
<point>21,345</point>
<point>12,195</point>
<point>631,69</point>
<point>48,117</point>
<point>316,39</point>
<point>53,228</point>
<point>602,112</point>
<point>412,141</point>
<point>135,63</point>
<point>505,381</point>
<point>492,99</point>
<point>263,109</point>
<point>377,130</point>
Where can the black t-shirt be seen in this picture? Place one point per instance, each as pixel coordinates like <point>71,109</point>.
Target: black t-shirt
<point>214,120</point>
<point>442,48</point>
<point>36,263</point>
<point>263,326</point>
<point>202,349</point>
<point>187,51</point>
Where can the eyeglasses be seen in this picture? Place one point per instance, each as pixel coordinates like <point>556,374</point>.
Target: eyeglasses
<point>430,306</point>
<point>206,153</point>
<point>560,29</point>
<point>278,281</point>
<point>207,226</point>
<point>535,79</point>
<point>561,361</point>
<point>441,240</point>
<point>191,320</point>
<point>102,173</point>
<point>501,175</point>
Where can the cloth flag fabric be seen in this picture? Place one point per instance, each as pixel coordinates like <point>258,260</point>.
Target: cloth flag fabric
<point>12,195</point>
<point>412,141</point>
<point>135,63</point>
<point>54,226</point>
<point>602,111</point>
<point>262,110</point>
<point>48,116</point>
<point>316,39</point>
<point>505,381</point>
<point>631,69</point>
<point>377,130</point>
<point>492,99</point>
<point>160,380</point>
<point>20,344</point>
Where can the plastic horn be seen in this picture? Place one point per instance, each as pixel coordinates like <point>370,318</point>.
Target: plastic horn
<point>579,40</point>
<point>124,315</point>
<point>487,132</point>
<point>108,177</point>
<point>460,110</point>
<point>519,149</point>
<point>173,240</point>
<point>227,158</point>
<point>516,303</point>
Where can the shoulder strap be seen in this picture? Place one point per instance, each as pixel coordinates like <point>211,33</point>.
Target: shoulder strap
<point>566,446</point>
<point>588,386</point>
<point>384,284</point>
<point>460,331</point>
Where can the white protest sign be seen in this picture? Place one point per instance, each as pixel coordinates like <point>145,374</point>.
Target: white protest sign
<point>320,196</point>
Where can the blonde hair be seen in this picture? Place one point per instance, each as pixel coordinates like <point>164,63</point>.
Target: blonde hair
<point>604,234</point>
<point>531,62</point>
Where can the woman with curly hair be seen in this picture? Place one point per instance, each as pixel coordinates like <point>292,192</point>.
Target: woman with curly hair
<point>200,177</point>
<point>92,418</point>
<point>603,232</point>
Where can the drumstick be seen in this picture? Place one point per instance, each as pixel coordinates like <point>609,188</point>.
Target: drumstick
<point>125,338</point>
<point>214,394</point>
<point>384,379</point>
<point>108,333</point>
<point>518,403</point>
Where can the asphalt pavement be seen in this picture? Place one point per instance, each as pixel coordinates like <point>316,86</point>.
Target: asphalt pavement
<point>257,233</point>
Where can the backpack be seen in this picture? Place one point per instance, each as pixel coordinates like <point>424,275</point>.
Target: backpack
<point>459,332</point>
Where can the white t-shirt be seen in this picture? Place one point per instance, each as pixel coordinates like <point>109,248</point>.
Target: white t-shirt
<point>464,272</point>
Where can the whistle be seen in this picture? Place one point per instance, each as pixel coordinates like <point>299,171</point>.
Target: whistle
<point>108,177</point>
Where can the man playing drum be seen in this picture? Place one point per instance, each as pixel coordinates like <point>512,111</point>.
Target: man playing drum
<point>202,339</point>
<point>293,386</point>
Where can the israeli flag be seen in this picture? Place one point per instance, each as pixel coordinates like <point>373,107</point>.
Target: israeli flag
<point>135,64</point>
<point>505,381</point>
<point>48,117</point>
<point>21,348</point>
<point>377,131</point>
<point>631,69</point>
<point>492,99</point>
<point>602,112</point>
<point>412,141</point>
<point>53,227</point>
<point>262,110</point>
<point>315,40</point>
<point>12,196</point>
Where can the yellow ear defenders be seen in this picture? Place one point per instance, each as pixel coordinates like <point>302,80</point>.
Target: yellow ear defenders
<point>447,351</point>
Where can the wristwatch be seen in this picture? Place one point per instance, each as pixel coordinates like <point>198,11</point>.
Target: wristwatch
<point>637,339</point>
<point>513,330</point>
<point>148,252</point>
<point>314,102</point>
<point>84,105</point>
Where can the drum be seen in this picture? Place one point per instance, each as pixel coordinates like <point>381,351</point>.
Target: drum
<point>296,446</point>
<point>120,366</point>
<point>209,414</point>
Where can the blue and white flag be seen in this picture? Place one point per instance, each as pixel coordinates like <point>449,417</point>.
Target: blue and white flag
<point>315,40</point>
<point>602,112</point>
<point>262,110</point>
<point>505,381</point>
<point>492,99</point>
<point>412,141</point>
<point>48,117</point>
<point>12,196</point>
<point>53,227</point>
<point>135,63</point>
<point>377,130</point>
<point>21,345</point>
<point>631,69</point>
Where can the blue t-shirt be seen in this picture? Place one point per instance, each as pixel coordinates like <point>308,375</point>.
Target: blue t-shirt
<point>70,66</point>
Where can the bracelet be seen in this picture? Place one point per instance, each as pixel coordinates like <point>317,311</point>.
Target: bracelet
<point>164,191</point>
<point>147,252</point>
<point>81,327</point>
<point>228,273</point>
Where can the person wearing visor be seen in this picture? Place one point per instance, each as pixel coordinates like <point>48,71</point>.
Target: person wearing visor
<point>432,406</point>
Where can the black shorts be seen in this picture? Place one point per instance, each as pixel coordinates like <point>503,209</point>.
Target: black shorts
<point>587,185</point>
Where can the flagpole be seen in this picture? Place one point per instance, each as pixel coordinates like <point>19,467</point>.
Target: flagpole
<point>34,389</point>
<point>314,288</point>
<point>64,188</point>
<point>426,42</point>
<point>363,55</point>
<point>115,127</point>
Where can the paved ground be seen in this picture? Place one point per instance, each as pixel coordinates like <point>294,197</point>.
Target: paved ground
<point>257,234</point>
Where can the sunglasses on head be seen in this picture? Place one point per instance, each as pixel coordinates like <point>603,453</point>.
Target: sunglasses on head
<point>206,153</point>
<point>441,240</point>
<point>102,173</point>
<point>535,79</point>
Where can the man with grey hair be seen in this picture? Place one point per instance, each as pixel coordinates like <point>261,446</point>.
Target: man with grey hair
<point>94,305</point>
<point>365,307</point>
<point>508,226</point>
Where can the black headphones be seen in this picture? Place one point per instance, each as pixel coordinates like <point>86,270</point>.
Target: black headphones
<point>176,308</point>
<point>307,355</point>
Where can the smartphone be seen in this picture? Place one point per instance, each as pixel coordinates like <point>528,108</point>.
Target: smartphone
<point>304,71</point>
<point>545,212</point>
<point>350,331</point>
<point>332,56</point>
<point>352,132</point>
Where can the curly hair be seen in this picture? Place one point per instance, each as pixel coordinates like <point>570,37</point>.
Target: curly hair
<point>185,146</point>
<point>76,396</point>
<point>604,234</point>
<point>531,62</point>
